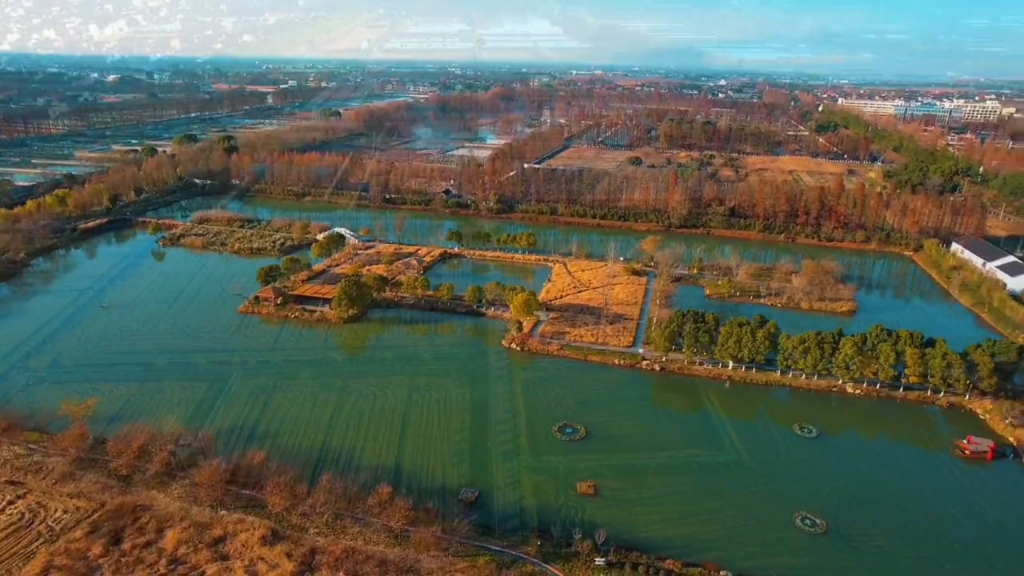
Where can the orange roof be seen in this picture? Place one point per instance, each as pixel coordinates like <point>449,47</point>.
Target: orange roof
<point>316,291</point>
<point>270,292</point>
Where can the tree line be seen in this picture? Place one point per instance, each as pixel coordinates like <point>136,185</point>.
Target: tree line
<point>525,240</point>
<point>881,355</point>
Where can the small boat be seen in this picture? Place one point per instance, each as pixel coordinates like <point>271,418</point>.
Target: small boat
<point>975,447</point>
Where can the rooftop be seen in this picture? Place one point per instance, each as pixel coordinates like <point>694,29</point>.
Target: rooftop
<point>982,249</point>
<point>1012,269</point>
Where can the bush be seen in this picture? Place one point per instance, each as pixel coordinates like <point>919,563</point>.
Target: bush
<point>211,480</point>
<point>268,274</point>
<point>281,492</point>
<point>75,440</point>
<point>128,448</point>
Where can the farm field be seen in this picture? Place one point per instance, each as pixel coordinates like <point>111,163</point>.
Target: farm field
<point>806,171</point>
<point>598,158</point>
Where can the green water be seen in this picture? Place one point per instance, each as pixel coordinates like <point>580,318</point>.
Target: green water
<point>464,273</point>
<point>433,403</point>
<point>893,291</point>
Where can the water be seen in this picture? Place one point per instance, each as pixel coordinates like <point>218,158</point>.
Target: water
<point>433,403</point>
<point>464,273</point>
<point>893,291</point>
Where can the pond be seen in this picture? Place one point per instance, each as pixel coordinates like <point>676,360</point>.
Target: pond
<point>433,403</point>
<point>464,272</point>
<point>892,289</point>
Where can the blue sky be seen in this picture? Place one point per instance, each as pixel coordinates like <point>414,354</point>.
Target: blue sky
<point>934,37</point>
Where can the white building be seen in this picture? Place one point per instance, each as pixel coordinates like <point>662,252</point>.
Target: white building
<point>992,260</point>
<point>987,111</point>
<point>874,107</point>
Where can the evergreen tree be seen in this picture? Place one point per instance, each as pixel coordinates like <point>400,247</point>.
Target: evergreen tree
<point>845,363</point>
<point>767,342</point>
<point>474,295</point>
<point>957,372</point>
<point>886,362</point>
<point>730,341</point>
<point>786,359</point>
<point>982,368</point>
<point>937,362</point>
<point>914,367</point>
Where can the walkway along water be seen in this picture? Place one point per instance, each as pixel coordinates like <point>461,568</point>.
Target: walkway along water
<point>645,312</point>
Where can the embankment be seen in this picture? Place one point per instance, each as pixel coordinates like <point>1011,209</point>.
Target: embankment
<point>993,412</point>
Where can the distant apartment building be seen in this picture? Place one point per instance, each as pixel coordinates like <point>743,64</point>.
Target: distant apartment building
<point>949,112</point>
<point>872,107</point>
<point>987,111</point>
<point>915,112</point>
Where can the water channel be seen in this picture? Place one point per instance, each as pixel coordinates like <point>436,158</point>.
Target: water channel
<point>893,291</point>
<point>431,403</point>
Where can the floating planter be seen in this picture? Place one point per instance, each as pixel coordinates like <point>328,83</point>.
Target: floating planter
<point>468,496</point>
<point>569,431</point>
<point>586,488</point>
<point>806,430</point>
<point>810,523</point>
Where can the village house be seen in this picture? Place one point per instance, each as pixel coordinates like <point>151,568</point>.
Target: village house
<point>992,260</point>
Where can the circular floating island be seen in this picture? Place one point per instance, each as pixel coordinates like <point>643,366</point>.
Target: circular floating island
<point>810,523</point>
<point>806,430</point>
<point>569,431</point>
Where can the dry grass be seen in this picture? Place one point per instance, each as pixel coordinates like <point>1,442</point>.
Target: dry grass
<point>808,171</point>
<point>58,517</point>
<point>29,519</point>
<point>389,260</point>
<point>593,303</point>
<point>146,534</point>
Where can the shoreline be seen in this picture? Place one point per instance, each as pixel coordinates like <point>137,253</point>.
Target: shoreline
<point>746,235</point>
<point>837,307</point>
<point>984,407</point>
<point>82,228</point>
<point>848,309</point>
<point>922,262</point>
<point>260,491</point>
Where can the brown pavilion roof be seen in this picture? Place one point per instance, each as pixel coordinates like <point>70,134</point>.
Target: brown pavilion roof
<point>316,291</point>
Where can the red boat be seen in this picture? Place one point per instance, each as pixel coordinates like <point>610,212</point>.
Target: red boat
<point>977,448</point>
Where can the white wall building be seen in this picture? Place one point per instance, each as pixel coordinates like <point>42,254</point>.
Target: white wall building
<point>987,111</point>
<point>875,107</point>
<point>992,260</point>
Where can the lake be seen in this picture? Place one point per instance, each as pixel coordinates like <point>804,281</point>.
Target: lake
<point>893,290</point>
<point>431,403</point>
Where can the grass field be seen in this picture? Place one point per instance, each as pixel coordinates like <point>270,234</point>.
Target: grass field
<point>593,303</point>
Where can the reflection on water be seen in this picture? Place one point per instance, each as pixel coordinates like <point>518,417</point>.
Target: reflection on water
<point>432,403</point>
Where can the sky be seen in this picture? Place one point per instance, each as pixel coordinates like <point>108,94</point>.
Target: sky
<point>955,38</point>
